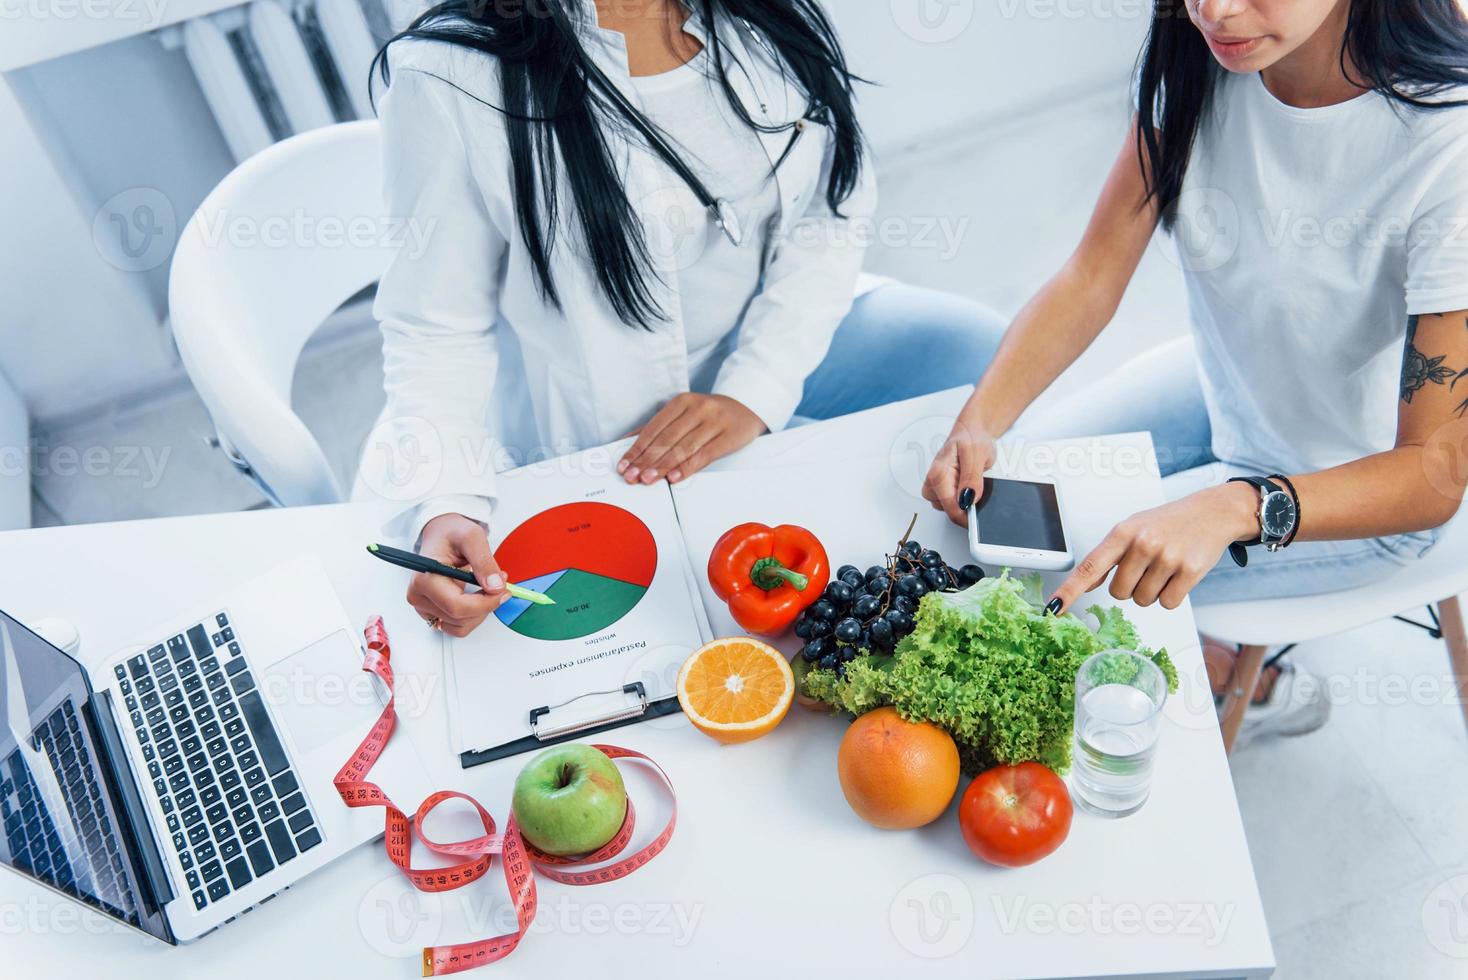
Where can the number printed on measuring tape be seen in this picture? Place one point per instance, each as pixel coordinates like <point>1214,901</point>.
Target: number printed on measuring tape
<point>520,860</point>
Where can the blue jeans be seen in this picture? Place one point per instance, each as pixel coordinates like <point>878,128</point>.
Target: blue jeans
<point>1159,392</point>
<point>899,342</point>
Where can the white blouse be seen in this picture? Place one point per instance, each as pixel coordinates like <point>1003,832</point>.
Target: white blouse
<point>716,278</point>
<point>483,374</point>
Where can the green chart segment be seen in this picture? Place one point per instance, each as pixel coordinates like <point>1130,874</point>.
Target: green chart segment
<point>585,604</point>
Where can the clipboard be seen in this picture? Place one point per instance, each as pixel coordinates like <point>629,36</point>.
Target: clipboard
<point>634,708</point>
<point>536,705</point>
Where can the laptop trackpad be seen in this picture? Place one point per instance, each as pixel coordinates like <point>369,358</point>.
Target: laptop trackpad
<point>321,693</point>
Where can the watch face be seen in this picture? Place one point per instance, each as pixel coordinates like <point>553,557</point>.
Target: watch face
<point>1278,516</point>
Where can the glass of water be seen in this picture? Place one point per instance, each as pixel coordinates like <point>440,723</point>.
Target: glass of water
<point>1119,699</point>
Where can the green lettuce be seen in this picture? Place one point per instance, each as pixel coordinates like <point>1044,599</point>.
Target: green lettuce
<point>991,667</point>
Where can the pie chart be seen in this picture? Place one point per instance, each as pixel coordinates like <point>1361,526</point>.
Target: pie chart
<point>595,560</point>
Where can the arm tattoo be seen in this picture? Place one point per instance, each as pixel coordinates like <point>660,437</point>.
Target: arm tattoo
<point>1419,370</point>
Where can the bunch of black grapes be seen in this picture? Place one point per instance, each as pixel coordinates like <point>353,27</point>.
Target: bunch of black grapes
<point>868,613</point>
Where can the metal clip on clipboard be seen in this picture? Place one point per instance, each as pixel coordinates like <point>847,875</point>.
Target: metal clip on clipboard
<point>542,734</point>
<point>586,724</point>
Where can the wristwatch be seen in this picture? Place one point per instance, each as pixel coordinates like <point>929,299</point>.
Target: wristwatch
<point>1279,516</point>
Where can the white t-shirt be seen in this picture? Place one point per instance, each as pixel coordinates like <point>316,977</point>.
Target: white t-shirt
<point>1307,237</point>
<point>716,280</point>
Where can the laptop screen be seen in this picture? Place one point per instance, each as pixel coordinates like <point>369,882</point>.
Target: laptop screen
<point>56,801</point>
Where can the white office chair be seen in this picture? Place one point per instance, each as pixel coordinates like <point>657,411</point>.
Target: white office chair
<point>1434,582</point>
<point>279,245</point>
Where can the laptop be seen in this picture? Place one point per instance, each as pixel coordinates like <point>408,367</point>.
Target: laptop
<point>188,778</point>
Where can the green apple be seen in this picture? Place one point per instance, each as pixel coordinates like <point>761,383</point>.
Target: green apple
<point>569,800</point>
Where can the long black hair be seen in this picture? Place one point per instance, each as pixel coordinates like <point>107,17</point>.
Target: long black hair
<point>1411,51</point>
<point>557,117</point>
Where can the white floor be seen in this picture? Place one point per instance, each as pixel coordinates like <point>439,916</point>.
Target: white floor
<point>1357,831</point>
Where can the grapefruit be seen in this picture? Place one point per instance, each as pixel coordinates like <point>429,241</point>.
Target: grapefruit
<point>897,774</point>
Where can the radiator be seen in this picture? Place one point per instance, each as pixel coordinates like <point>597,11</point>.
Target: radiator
<point>273,68</point>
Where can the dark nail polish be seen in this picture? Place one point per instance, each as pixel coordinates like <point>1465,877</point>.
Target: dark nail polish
<point>1054,607</point>
<point>966,499</point>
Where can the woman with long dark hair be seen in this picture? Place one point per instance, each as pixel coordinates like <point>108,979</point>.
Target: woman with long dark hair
<point>638,215</point>
<point>1310,158</point>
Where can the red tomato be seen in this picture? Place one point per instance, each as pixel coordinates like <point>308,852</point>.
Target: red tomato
<point>1015,815</point>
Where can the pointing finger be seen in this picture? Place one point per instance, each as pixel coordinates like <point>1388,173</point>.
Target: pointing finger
<point>1090,573</point>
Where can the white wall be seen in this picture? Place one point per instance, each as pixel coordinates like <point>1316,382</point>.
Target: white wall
<point>77,328</point>
<point>15,484</point>
<point>944,66</point>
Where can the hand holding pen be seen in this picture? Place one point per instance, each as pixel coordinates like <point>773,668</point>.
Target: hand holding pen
<point>443,603</point>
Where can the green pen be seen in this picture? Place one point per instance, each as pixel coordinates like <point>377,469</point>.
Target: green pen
<point>417,563</point>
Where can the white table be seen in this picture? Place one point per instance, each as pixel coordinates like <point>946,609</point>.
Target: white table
<point>769,873</point>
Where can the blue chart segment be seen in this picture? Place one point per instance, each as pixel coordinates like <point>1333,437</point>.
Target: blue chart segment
<point>511,608</point>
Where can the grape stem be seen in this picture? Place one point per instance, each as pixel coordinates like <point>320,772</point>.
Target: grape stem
<point>914,567</point>
<point>769,574</point>
<point>907,534</point>
<point>892,570</point>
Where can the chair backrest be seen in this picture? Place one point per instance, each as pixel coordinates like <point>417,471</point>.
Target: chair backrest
<point>280,244</point>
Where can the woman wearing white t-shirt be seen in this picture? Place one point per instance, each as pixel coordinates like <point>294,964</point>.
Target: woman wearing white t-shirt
<point>1310,158</point>
<point>637,215</point>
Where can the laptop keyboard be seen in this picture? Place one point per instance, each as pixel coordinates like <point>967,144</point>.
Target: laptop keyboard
<point>94,870</point>
<point>233,805</point>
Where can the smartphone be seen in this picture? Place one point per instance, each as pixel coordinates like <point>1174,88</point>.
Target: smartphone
<point>1021,524</point>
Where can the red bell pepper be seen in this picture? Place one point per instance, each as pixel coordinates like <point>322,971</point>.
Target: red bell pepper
<point>768,575</point>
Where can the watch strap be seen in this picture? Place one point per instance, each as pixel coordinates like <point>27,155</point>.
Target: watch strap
<point>1264,486</point>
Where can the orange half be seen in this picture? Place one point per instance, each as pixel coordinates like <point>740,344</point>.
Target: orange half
<point>736,690</point>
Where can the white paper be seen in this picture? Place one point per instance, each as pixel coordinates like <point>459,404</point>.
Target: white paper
<point>628,605</point>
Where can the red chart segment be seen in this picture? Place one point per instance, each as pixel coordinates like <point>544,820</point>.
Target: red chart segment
<point>596,538</point>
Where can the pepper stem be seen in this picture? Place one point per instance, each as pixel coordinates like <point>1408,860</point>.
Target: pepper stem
<point>769,574</point>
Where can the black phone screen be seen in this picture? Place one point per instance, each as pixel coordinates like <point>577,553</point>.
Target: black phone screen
<point>1018,514</point>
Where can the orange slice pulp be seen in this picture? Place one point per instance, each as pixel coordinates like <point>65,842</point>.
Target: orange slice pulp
<point>736,690</point>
